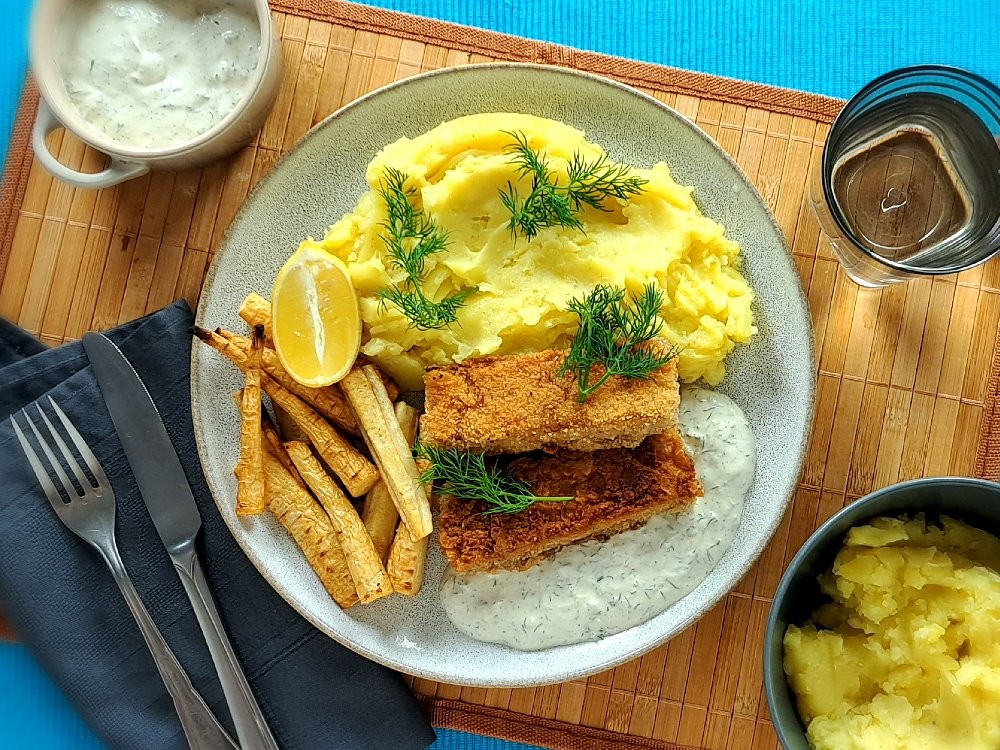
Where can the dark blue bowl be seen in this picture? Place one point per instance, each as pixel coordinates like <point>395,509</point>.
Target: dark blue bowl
<point>974,501</point>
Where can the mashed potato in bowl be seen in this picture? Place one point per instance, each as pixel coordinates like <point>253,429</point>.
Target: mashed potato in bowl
<point>907,654</point>
<point>521,287</point>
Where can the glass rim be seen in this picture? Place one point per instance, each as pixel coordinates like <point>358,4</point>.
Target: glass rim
<point>826,166</point>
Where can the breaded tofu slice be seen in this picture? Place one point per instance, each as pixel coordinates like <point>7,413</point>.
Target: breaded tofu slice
<point>516,404</point>
<point>614,490</point>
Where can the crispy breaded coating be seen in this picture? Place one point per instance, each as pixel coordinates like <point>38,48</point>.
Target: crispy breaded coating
<point>516,404</point>
<point>614,490</point>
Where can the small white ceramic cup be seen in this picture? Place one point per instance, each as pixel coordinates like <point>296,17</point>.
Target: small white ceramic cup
<point>55,110</point>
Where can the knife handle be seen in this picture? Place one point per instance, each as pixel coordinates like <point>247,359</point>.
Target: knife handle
<point>201,728</point>
<point>251,727</point>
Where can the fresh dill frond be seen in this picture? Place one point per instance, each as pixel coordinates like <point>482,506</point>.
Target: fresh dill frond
<point>423,313</point>
<point>550,203</point>
<point>615,334</point>
<point>410,238</point>
<point>545,205</point>
<point>411,235</point>
<point>592,182</point>
<point>465,475</point>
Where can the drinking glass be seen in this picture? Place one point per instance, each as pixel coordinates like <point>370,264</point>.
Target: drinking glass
<point>909,183</point>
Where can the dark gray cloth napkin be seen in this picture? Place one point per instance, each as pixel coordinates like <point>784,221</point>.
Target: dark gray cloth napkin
<point>63,602</point>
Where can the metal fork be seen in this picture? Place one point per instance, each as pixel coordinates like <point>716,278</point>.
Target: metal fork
<point>90,514</point>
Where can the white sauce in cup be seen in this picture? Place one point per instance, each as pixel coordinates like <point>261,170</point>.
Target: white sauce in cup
<point>595,589</point>
<point>156,73</point>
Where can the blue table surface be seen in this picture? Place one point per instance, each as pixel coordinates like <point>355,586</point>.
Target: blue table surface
<point>825,47</point>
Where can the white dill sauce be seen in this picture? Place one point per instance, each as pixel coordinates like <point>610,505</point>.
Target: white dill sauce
<point>594,589</point>
<point>154,73</point>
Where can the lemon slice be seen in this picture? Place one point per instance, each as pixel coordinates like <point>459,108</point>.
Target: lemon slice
<point>316,323</point>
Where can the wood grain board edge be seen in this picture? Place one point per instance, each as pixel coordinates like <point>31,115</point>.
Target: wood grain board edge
<point>513,48</point>
<point>508,725</point>
<point>16,169</point>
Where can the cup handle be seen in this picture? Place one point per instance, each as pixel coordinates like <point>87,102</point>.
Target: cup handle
<point>117,171</point>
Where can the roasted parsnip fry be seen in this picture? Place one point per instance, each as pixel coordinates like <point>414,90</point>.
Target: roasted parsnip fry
<point>407,559</point>
<point>422,466</point>
<point>311,529</point>
<point>370,578</point>
<point>365,391</point>
<point>273,443</point>
<point>391,389</point>
<point>380,517</point>
<point>256,310</point>
<point>250,469</point>
<point>354,470</point>
<point>379,512</point>
<point>328,401</point>
<point>287,427</point>
<point>377,386</point>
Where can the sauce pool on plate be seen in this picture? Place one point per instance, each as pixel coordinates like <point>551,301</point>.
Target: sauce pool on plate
<point>151,74</point>
<point>599,588</point>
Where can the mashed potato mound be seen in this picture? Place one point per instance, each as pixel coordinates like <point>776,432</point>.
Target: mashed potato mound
<point>457,170</point>
<point>908,653</point>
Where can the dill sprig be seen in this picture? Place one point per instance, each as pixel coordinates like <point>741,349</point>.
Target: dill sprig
<point>410,238</point>
<point>424,313</point>
<point>550,203</point>
<point>465,475</point>
<point>615,334</point>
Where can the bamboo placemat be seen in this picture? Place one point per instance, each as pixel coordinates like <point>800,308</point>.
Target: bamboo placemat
<point>903,371</point>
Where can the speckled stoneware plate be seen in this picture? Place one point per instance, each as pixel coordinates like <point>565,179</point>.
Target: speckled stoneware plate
<point>772,379</point>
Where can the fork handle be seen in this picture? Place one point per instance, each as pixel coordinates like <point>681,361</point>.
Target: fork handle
<point>251,727</point>
<point>201,728</point>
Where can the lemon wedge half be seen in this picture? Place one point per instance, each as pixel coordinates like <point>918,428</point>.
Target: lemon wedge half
<point>316,323</point>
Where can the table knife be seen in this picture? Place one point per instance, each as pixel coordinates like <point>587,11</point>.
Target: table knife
<point>171,505</point>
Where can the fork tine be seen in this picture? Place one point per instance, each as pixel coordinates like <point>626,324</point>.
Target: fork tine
<point>71,492</point>
<point>71,461</point>
<point>36,465</point>
<point>88,455</point>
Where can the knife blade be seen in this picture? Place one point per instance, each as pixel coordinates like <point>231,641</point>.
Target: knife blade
<point>170,502</point>
<point>154,462</point>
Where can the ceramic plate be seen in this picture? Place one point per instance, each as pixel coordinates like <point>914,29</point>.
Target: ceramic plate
<point>772,378</point>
